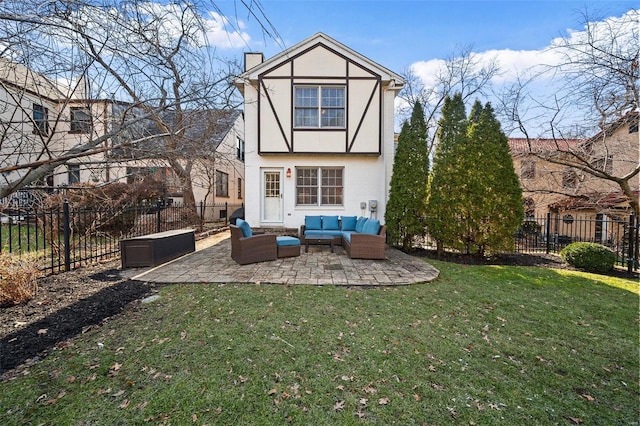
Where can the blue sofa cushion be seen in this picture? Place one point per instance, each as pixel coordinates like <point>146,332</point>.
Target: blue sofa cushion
<point>349,223</point>
<point>313,222</point>
<point>360,223</point>
<point>315,232</point>
<point>244,227</point>
<point>287,241</point>
<point>330,223</point>
<point>372,226</point>
<point>347,235</point>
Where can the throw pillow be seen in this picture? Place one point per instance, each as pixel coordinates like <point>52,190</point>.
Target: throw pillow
<point>349,223</point>
<point>372,226</point>
<point>244,227</point>
<point>360,223</point>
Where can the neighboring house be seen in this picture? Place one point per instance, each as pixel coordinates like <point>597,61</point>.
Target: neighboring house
<point>319,133</point>
<point>41,118</point>
<point>572,196</point>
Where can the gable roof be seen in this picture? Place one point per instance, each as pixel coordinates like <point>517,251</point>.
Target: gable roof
<point>519,146</point>
<point>203,133</point>
<point>326,41</point>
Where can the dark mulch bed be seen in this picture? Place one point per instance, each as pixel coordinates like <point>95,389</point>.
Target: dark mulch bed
<point>70,303</point>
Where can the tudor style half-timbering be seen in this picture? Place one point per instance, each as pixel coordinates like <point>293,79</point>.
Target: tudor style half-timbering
<point>319,123</point>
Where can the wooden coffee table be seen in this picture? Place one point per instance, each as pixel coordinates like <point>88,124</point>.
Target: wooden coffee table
<point>319,240</point>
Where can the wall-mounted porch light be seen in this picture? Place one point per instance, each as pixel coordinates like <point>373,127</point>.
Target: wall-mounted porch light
<point>289,172</point>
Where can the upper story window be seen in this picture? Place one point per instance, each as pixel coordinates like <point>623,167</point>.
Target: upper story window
<point>320,106</point>
<point>604,164</point>
<point>73,173</point>
<point>569,179</point>
<point>239,149</point>
<point>80,120</point>
<point>528,169</point>
<point>40,119</point>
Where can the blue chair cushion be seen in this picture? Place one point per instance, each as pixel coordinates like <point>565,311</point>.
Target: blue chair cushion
<point>360,223</point>
<point>372,226</point>
<point>347,235</point>
<point>313,222</point>
<point>349,223</point>
<point>287,241</point>
<point>330,223</point>
<point>244,227</point>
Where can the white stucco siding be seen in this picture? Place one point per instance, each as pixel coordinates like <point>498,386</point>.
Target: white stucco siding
<point>320,62</point>
<point>363,180</point>
<point>316,141</point>
<point>364,116</point>
<point>275,116</point>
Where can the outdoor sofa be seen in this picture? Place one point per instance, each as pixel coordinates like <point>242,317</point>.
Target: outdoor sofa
<point>361,238</point>
<point>247,247</point>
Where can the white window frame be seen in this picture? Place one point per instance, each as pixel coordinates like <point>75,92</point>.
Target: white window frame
<point>320,108</point>
<point>320,191</point>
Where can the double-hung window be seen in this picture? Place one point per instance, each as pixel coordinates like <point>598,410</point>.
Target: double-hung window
<point>319,186</point>
<point>319,107</point>
<point>40,119</point>
<point>80,120</point>
<point>222,184</point>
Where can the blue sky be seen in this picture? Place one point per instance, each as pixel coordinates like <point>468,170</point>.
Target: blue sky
<point>397,34</point>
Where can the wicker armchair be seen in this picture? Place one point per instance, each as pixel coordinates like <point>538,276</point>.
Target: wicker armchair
<point>257,248</point>
<point>367,246</point>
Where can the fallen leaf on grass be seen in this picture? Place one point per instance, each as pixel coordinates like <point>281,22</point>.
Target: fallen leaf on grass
<point>194,418</point>
<point>369,389</point>
<point>383,401</point>
<point>576,420</point>
<point>124,404</point>
<point>338,406</point>
<point>588,397</point>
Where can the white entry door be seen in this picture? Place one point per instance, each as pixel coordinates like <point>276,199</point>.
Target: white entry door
<point>272,196</point>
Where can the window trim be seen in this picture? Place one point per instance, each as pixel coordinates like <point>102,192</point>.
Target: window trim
<point>73,170</point>
<point>527,169</point>
<point>319,107</point>
<point>320,187</point>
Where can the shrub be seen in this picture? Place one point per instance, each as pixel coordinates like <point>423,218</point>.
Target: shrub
<point>17,279</point>
<point>591,257</point>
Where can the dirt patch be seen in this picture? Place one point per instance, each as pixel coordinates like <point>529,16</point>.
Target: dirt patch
<point>66,305</point>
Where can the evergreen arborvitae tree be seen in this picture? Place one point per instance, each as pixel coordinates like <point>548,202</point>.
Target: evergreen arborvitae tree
<point>406,207</point>
<point>446,198</point>
<point>475,200</point>
<point>496,208</point>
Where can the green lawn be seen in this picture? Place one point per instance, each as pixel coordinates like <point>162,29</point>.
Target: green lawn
<point>481,345</point>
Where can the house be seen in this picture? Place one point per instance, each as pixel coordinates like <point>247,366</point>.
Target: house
<point>579,203</point>
<point>41,118</point>
<point>319,133</point>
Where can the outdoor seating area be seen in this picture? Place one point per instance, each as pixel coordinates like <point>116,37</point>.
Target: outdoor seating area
<point>361,238</point>
<point>247,247</point>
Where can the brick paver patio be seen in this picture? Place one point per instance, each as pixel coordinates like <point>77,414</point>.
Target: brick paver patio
<point>213,264</point>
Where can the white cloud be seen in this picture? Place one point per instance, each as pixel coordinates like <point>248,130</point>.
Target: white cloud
<point>221,33</point>
<point>515,64</point>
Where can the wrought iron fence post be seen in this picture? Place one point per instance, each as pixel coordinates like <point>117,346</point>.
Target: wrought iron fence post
<point>158,211</point>
<point>226,213</point>
<point>201,215</point>
<point>67,235</point>
<point>630,258</point>
<point>548,231</point>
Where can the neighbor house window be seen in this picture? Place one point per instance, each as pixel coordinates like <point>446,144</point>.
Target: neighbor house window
<point>319,186</point>
<point>604,164</point>
<point>320,106</point>
<point>40,119</point>
<point>80,120</point>
<point>569,179</point>
<point>73,173</point>
<point>528,169</point>
<point>222,184</point>
<point>239,149</point>
<point>239,188</point>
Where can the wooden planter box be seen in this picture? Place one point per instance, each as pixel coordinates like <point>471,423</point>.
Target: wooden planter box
<point>155,249</point>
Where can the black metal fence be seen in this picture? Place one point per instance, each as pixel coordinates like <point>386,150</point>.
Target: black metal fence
<point>551,233</point>
<point>65,238</point>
